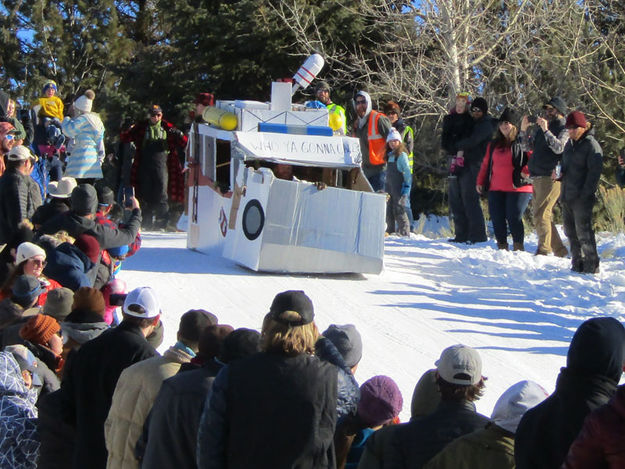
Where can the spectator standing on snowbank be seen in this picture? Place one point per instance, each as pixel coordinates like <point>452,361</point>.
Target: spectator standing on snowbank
<point>547,144</point>
<point>469,223</point>
<point>505,175</point>
<point>582,163</point>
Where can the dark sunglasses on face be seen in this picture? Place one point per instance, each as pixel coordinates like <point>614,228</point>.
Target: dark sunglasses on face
<point>9,137</point>
<point>38,262</point>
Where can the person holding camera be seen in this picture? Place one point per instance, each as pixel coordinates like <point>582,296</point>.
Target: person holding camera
<point>156,172</point>
<point>547,143</point>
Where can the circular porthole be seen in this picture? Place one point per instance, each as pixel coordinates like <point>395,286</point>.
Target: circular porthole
<point>253,219</point>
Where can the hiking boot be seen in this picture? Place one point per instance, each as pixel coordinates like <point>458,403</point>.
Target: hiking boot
<point>590,267</point>
<point>541,252</point>
<point>561,253</point>
<point>577,265</point>
<point>457,240</point>
<point>502,246</point>
<point>518,247</point>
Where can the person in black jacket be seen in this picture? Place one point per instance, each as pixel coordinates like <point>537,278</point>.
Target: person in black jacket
<point>594,365</point>
<point>59,193</point>
<point>547,144</point>
<point>92,373</point>
<point>411,445</point>
<point>469,151</point>
<point>582,163</point>
<point>170,433</point>
<point>18,197</point>
<point>81,219</point>
<point>276,408</point>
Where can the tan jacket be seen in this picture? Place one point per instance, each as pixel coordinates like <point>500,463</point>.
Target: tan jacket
<point>134,395</point>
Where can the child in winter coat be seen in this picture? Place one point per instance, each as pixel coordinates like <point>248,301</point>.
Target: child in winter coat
<point>398,182</point>
<point>380,404</point>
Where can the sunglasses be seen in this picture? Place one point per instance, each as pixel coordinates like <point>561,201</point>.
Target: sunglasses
<point>38,262</point>
<point>392,112</point>
<point>9,137</point>
<point>359,102</point>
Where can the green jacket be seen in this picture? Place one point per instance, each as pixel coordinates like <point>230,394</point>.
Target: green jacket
<point>489,448</point>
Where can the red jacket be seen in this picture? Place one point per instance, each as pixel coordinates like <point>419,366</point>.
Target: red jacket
<point>175,183</point>
<point>501,171</point>
<point>601,441</point>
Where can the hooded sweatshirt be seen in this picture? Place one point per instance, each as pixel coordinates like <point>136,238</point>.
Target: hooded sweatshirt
<point>593,368</point>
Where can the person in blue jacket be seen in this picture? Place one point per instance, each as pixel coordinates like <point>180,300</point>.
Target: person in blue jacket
<point>398,182</point>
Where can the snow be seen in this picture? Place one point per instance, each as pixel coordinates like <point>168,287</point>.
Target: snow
<point>519,310</point>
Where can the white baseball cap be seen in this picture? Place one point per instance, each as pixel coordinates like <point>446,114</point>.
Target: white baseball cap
<point>460,364</point>
<point>142,303</point>
<point>20,153</point>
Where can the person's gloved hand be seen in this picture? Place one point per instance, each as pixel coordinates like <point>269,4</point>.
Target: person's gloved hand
<point>452,166</point>
<point>460,161</point>
<point>403,200</point>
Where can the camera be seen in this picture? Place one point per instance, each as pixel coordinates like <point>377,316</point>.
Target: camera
<point>532,119</point>
<point>117,299</point>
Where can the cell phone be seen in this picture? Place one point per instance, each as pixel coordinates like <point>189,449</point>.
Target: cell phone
<point>129,194</point>
<point>117,299</point>
<point>531,119</point>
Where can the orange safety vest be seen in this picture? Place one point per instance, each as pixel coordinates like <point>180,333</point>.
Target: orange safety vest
<point>377,143</point>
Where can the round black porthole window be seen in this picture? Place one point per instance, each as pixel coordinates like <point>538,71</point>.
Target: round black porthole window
<point>253,219</point>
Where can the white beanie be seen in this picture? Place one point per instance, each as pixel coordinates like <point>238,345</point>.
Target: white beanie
<point>514,402</point>
<point>28,250</point>
<point>85,102</point>
<point>393,134</point>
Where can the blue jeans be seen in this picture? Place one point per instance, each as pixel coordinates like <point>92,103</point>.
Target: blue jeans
<point>508,207</point>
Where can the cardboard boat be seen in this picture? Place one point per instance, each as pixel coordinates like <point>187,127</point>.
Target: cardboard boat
<point>240,210</point>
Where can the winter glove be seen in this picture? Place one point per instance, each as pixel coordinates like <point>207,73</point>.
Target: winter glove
<point>460,161</point>
<point>452,166</point>
<point>403,200</point>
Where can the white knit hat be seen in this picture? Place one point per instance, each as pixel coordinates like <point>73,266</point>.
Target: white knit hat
<point>514,402</point>
<point>393,134</point>
<point>27,251</point>
<point>85,102</point>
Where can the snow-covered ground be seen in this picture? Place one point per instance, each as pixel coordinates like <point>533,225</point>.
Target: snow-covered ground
<point>520,311</point>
